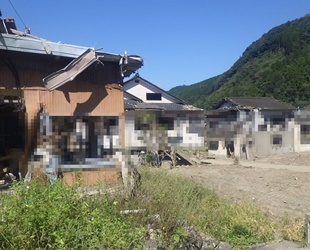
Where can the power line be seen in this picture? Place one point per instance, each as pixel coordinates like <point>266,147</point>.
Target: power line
<point>17,14</point>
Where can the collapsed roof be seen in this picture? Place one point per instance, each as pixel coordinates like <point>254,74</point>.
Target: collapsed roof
<point>13,40</point>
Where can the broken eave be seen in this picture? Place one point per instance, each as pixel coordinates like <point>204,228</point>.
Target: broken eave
<point>37,45</point>
<point>68,73</point>
<point>20,42</point>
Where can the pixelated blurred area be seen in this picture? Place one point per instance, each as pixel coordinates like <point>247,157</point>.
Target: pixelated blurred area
<point>163,130</point>
<point>72,144</point>
<point>159,132</point>
<point>256,127</point>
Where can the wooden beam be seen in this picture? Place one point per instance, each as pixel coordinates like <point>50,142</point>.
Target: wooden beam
<point>3,158</point>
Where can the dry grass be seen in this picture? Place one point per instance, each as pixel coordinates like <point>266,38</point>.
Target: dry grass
<point>293,229</point>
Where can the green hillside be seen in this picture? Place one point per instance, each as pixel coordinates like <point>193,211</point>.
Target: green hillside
<point>276,65</point>
<point>196,91</point>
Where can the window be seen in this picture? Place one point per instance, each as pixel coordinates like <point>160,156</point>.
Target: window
<point>213,145</point>
<point>262,127</point>
<point>213,124</point>
<point>278,122</point>
<point>166,122</point>
<point>277,140</point>
<point>305,134</point>
<point>140,125</point>
<point>153,96</point>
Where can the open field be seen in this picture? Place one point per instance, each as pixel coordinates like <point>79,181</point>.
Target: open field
<point>279,184</point>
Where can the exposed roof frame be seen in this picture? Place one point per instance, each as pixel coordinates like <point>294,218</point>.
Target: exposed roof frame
<point>68,73</point>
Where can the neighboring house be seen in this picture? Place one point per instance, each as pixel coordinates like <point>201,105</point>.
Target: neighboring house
<point>251,103</point>
<point>157,120</point>
<point>61,102</point>
<point>147,92</point>
<point>256,127</point>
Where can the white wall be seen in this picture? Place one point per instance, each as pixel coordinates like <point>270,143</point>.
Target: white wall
<point>187,136</point>
<point>141,88</point>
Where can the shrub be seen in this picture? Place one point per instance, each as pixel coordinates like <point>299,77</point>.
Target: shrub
<point>56,217</point>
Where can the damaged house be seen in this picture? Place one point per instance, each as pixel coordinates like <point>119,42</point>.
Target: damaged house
<point>155,120</point>
<point>62,105</point>
<point>256,127</point>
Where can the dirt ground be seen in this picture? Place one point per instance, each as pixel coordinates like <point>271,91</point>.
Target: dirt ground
<point>279,184</point>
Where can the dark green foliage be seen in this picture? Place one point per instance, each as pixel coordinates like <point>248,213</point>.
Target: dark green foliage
<point>277,65</point>
<point>194,92</point>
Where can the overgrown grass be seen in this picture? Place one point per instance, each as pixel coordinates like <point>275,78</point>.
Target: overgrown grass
<point>56,217</point>
<point>177,199</point>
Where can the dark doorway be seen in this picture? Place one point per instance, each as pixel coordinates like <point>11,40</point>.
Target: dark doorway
<point>12,138</point>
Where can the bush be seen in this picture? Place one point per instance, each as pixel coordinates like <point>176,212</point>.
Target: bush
<point>56,217</point>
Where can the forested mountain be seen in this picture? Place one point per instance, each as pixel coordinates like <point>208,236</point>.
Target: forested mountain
<point>276,65</point>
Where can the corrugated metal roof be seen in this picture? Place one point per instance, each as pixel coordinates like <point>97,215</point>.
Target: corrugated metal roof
<point>26,43</point>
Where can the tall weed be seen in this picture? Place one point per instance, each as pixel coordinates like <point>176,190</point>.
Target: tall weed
<point>56,217</point>
<point>178,200</point>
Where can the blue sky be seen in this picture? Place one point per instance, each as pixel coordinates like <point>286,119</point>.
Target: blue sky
<point>181,42</point>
